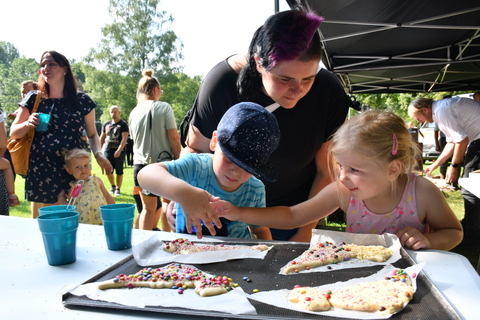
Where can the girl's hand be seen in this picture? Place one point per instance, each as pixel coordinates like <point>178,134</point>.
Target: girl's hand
<point>225,209</point>
<point>412,238</point>
<point>198,210</point>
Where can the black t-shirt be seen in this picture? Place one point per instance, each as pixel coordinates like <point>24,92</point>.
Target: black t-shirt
<point>303,128</point>
<point>113,131</point>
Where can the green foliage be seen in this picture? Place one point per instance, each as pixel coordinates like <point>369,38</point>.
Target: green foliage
<point>137,38</point>
<point>13,71</point>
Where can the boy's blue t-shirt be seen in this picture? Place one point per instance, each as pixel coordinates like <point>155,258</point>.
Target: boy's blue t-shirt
<point>197,170</point>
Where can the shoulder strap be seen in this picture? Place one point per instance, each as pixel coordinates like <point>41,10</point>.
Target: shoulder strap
<point>37,101</point>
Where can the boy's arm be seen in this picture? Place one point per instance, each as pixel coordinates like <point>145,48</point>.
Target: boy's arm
<point>105,193</point>
<point>195,202</point>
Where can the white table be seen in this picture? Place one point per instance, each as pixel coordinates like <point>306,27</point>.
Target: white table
<point>471,184</point>
<point>32,288</point>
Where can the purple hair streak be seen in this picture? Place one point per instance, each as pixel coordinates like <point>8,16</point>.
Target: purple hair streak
<point>296,39</point>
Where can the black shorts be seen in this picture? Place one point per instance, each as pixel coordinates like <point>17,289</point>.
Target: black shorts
<point>117,163</point>
<point>136,170</point>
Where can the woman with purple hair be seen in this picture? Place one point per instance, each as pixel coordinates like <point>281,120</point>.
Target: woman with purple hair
<point>280,68</point>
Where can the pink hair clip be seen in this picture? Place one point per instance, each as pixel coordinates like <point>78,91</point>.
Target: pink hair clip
<point>394,144</point>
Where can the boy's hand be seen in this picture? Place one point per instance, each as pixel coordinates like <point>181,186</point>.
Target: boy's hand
<point>198,209</point>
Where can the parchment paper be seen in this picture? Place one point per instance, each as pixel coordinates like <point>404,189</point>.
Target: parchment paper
<point>150,253</point>
<point>234,302</point>
<point>388,240</point>
<point>279,298</point>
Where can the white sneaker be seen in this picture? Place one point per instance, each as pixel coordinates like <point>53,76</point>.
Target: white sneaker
<point>117,193</point>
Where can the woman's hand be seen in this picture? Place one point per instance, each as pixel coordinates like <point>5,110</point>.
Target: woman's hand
<point>103,163</point>
<point>412,238</point>
<point>33,120</point>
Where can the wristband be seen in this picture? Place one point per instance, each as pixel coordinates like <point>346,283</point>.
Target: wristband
<point>454,165</point>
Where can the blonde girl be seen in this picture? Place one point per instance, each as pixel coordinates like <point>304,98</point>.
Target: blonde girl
<point>94,194</point>
<point>374,185</point>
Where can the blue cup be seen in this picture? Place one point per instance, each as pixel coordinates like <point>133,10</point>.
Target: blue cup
<point>59,233</point>
<point>62,207</point>
<point>118,223</point>
<point>44,120</point>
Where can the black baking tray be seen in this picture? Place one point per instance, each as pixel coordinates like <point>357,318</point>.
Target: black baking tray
<point>427,303</point>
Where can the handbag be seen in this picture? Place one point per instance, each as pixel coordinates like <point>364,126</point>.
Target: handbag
<point>20,148</point>
<point>164,155</point>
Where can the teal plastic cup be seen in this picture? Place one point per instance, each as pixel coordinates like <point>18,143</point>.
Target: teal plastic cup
<point>44,121</point>
<point>118,223</point>
<point>62,207</point>
<point>59,233</point>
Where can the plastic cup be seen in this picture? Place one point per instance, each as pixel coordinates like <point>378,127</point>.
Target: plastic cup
<point>118,223</point>
<point>44,120</point>
<point>62,207</point>
<point>59,233</point>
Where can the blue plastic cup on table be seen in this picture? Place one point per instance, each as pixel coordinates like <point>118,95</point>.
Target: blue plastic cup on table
<point>118,223</point>
<point>59,233</point>
<point>44,120</point>
<point>62,207</point>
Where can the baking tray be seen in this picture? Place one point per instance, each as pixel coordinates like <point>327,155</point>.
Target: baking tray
<point>427,303</point>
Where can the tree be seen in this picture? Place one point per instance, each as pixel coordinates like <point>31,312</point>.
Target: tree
<point>8,53</point>
<point>137,38</point>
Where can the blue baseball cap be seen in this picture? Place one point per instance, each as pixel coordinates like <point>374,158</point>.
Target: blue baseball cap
<point>247,135</point>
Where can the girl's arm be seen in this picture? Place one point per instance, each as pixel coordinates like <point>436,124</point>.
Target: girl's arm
<point>446,230</point>
<point>321,205</point>
<point>94,142</point>
<point>195,201</point>
<point>322,179</point>
<point>105,193</point>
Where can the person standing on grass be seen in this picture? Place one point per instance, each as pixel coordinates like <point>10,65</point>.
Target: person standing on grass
<point>459,119</point>
<point>154,130</point>
<point>113,139</point>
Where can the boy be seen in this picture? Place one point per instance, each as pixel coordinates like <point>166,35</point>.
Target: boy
<point>245,137</point>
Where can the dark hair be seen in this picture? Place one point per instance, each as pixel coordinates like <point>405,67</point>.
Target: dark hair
<point>70,87</point>
<point>285,36</point>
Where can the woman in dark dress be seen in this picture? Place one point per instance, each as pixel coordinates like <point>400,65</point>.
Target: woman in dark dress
<point>71,112</point>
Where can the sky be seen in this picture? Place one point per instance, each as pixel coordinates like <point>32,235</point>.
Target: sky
<point>210,30</point>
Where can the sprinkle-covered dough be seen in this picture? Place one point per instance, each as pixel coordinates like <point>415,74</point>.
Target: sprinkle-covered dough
<point>173,276</point>
<point>185,246</point>
<point>325,253</point>
<point>387,296</point>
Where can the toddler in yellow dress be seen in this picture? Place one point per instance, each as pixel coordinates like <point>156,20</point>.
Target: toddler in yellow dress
<point>94,194</point>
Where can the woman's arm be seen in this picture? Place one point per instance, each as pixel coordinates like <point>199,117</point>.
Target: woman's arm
<point>94,142</point>
<point>174,140</point>
<point>23,122</point>
<point>195,202</point>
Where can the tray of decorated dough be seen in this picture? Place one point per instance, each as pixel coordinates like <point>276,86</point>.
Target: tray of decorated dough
<point>248,282</point>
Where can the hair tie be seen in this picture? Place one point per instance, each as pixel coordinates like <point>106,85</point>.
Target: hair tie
<point>394,144</point>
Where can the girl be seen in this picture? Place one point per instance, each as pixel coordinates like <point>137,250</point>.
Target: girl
<point>94,194</point>
<point>375,187</point>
